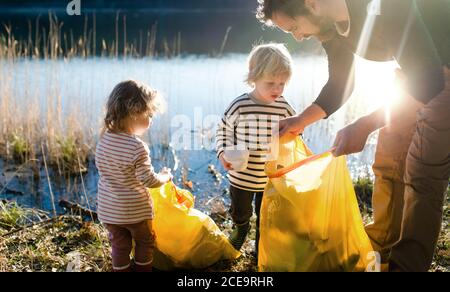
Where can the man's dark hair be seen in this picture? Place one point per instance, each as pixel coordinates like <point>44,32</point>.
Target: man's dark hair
<point>291,8</point>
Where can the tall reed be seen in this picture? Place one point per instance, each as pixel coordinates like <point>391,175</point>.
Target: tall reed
<point>26,124</point>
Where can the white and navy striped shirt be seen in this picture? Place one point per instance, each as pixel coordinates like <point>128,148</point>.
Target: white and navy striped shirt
<point>125,170</point>
<point>249,122</point>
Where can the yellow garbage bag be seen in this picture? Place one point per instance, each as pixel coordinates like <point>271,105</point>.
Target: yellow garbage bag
<point>185,237</point>
<point>310,219</point>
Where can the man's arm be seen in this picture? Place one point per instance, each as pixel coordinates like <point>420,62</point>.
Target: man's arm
<point>334,94</point>
<point>352,138</point>
<point>341,78</point>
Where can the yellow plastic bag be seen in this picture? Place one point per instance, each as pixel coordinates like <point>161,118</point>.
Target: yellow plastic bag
<point>310,219</point>
<point>185,237</point>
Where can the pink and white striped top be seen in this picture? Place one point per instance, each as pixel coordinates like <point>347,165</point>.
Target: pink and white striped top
<point>126,171</point>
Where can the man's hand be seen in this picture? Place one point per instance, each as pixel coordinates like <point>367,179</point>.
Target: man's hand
<point>351,139</point>
<point>294,126</point>
<point>291,126</point>
<point>225,163</point>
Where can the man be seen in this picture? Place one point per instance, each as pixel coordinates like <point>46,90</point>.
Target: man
<point>412,161</point>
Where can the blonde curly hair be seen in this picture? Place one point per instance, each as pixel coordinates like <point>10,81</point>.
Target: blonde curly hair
<point>130,98</point>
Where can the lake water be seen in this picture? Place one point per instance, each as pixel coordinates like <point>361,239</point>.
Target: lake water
<point>197,90</point>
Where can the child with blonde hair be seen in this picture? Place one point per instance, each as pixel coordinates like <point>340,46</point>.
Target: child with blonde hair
<point>247,125</point>
<point>125,169</point>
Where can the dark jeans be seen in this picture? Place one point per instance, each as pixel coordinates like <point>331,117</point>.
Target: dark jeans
<point>242,208</point>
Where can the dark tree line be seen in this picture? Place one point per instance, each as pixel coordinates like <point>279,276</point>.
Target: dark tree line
<point>137,4</point>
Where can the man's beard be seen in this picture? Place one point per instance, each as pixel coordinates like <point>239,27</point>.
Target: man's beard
<point>325,24</point>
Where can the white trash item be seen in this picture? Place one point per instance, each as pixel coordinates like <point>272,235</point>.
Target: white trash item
<point>237,158</point>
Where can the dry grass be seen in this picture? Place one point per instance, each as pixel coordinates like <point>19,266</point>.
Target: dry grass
<point>55,246</point>
<point>52,245</point>
<point>54,42</point>
<point>441,262</point>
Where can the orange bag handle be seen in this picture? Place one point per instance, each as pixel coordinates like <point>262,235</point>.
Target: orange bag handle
<point>287,169</point>
<point>181,199</point>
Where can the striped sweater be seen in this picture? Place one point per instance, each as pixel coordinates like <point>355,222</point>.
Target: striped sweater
<point>249,123</point>
<point>125,170</point>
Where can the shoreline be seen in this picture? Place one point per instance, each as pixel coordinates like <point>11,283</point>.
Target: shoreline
<point>51,243</point>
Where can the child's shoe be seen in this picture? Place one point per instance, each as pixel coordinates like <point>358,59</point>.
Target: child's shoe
<point>239,234</point>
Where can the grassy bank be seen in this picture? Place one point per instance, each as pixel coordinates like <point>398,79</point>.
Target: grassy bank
<point>50,244</point>
<point>31,241</point>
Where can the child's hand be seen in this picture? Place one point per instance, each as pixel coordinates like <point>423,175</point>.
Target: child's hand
<point>225,164</point>
<point>165,175</point>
